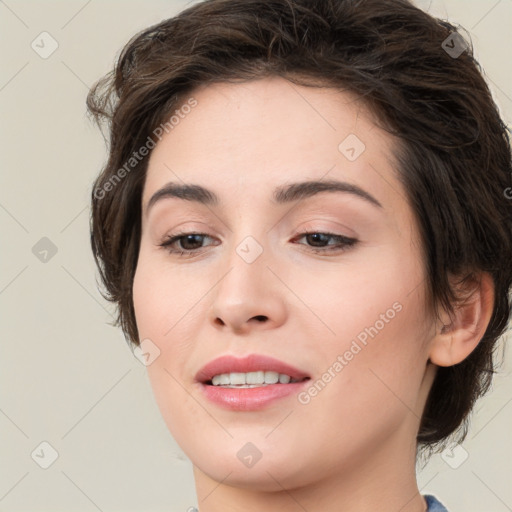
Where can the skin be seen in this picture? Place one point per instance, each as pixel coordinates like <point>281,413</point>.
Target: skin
<point>353,446</point>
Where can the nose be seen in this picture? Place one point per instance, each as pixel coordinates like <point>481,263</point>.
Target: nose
<point>250,296</point>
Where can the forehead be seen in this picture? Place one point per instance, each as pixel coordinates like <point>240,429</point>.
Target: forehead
<point>251,137</point>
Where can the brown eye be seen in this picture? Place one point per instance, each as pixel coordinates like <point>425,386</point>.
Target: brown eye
<point>184,243</point>
<point>320,241</point>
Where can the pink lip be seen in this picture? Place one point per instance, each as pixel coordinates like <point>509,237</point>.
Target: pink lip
<point>250,363</point>
<point>248,399</point>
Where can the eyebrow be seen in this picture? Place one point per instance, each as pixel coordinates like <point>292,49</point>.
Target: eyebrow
<point>281,195</point>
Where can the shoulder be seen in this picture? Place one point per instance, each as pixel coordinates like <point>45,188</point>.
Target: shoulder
<point>433,504</point>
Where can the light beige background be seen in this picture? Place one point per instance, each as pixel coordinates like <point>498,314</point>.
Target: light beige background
<point>67,377</point>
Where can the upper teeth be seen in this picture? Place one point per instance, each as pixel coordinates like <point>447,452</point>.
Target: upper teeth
<point>260,377</point>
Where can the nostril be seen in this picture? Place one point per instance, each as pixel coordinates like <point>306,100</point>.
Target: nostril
<point>260,318</point>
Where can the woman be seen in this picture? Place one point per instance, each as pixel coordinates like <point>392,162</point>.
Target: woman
<point>305,226</point>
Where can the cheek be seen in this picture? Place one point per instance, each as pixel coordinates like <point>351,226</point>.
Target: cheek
<point>161,298</point>
<point>167,309</point>
<point>152,302</point>
<point>161,303</point>
<point>377,345</point>
<point>368,299</point>
<point>364,392</point>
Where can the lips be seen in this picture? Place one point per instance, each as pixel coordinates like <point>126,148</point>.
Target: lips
<point>250,363</point>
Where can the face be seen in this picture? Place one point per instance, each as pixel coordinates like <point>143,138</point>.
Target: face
<point>327,281</point>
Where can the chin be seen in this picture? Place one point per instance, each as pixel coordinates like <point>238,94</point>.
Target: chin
<point>271,473</point>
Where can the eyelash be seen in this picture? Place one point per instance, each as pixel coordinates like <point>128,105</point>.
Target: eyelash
<point>345,243</point>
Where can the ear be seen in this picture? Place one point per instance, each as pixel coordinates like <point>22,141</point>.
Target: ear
<point>457,336</point>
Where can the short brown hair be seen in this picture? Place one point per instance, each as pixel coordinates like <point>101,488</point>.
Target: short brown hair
<point>454,155</point>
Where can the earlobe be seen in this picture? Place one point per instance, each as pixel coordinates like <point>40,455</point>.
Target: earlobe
<point>457,336</point>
